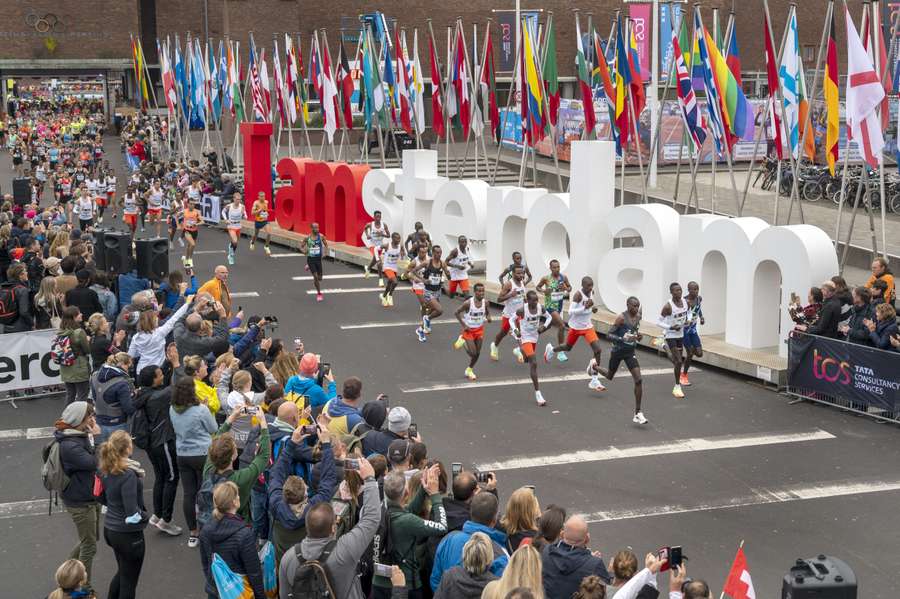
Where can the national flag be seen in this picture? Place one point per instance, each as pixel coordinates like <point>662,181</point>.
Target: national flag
<point>329,97</point>
<point>737,114</point>
<point>790,76</point>
<point>638,97</point>
<point>864,93</point>
<point>290,78</point>
<point>698,75</point>
<point>315,69</point>
<point>417,89</point>
<point>601,83</point>
<point>809,142</point>
<point>460,81</point>
<point>739,585</point>
<point>437,105</point>
<point>264,81</point>
<point>713,105</point>
<point>775,128</point>
<point>181,82</point>
<point>390,80</point>
<point>584,82</point>
<point>622,81</point>
<point>489,85</point>
<point>224,87</point>
<point>832,100</point>
<point>198,84</point>
<point>234,76</point>
<point>532,91</point>
<point>877,33</point>
<point>551,74</point>
<point>402,84</point>
<point>345,85</point>
<point>687,101</point>
<point>734,57</point>
<point>256,94</point>
<point>168,78</point>
<point>214,97</point>
<point>279,83</point>
<point>303,90</point>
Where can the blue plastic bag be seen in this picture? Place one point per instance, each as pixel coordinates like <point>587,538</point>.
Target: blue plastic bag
<point>269,570</point>
<point>230,584</point>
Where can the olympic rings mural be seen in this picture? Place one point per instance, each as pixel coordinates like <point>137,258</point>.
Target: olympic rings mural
<point>43,24</point>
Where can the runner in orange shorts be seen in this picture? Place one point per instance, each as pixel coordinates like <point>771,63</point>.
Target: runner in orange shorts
<point>581,308</point>
<point>391,257</point>
<point>472,315</point>
<point>459,263</point>
<point>532,319</point>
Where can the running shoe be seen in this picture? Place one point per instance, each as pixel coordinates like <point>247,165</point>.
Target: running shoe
<point>154,520</point>
<point>193,541</point>
<point>391,300</point>
<point>171,246</point>
<point>267,250</point>
<point>548,352</point>
<point>421,335</point>
<point>470,374</point>
<point>184,261</point>
<point>495,352</point>
<point>540,399</point>
<point>639,418</point>
<point>562,357</point>
<point>366,271</point>
<point>252,245</point>
<point>595,384</point>
<point>306,268</point>
<point>384,301</point>
<point>230,255</point>
<point>683,379</point>
<point>168,528</point>
<point>319,297</point>
<point>591,366</point>
<point>381,282</point>
<point>426,324</point>
<point>677,392</point>
<point>518,354</point>
<point>190,263</point>
<point>100,221</point>
<point>459,343</point>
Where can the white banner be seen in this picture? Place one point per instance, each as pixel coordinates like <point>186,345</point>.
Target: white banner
<point>26,362</point>
<point>211,209</point>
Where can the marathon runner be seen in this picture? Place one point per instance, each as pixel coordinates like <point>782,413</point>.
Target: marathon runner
<point>673,317</point>
<point>233,214</point>
<point>154,197</point>
<point>260,213</point>
<point>111,200</point>
<point>459,263</point>
<point>374,235</point>
<point>472,315</point>
<point>532,320</point>
<point>391,258</point>
<point>581,308</point>
<point>556,289</point>
<point>516,261</point>
<point>190,225</point>
<point>130,208</point>
<point>97,188</point>
<point>418,238</point>
<point>431,273</point>
<point>512,296</point>
<point>314,246</point>
<point>418,285</point>
<point>85,207</point>
<point>624,336</point>
<point>692,346</point>
<point>176,215</point>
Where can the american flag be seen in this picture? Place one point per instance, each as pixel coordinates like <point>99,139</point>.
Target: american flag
<point>687,101</point>
<point>256,90</point>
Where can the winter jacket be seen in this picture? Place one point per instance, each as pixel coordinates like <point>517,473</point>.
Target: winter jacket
<point>193,427</point>
<point>344,556</point>
<point>408,530</point>
<point>450,551</point>
<point>86,299</point>
<point>343,417</point>
<point>171,295</point>
<point>458,512</point>
<point>192,344</point>
<point>316,396</point>
<point>232,539</point>
<point>829,316</point>
<point>457,583</point>
<point>565,566</point>
<point>858,332</point>
<point>25,320</point>
<point>881,336</point>
<point>124,498</point>
<point>78,461</point>
<point>155,402</point>
<point>113,393</point>
<point>245,477</point>
<point>284,518</point>
<point>80,371</point>
<point>379,441</point>
<point>101,348</point>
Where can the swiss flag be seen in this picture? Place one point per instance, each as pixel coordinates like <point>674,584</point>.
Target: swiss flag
<point>739,585</point>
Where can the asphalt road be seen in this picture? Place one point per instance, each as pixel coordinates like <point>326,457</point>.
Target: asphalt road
<point>732,462</point>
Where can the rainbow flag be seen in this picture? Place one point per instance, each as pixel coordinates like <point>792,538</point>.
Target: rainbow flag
<point>736,111</point>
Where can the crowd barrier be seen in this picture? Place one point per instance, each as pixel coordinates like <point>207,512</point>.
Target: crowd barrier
<point>848,376</point>
<point>26,369</point>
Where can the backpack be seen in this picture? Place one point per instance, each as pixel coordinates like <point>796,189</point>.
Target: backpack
<point>141,433</point>
<point>61,351</point>
<point>205,496</point>
<point>9,306</point>
<point>52,474</point>
<point>311,580</point>
<point>344,516</point>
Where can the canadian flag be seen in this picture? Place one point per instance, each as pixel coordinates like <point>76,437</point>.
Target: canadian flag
<point>739,585</point>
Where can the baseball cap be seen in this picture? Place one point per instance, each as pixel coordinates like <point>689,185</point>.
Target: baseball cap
<point>398,451</point>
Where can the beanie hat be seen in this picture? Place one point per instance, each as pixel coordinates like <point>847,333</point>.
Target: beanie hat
<point>374,413</point>
<point>399,420</point>
<point>309,364</point>
<point>74,413</point>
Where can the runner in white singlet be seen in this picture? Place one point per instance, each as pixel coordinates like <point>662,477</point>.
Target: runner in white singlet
<point>472,315</point>
<point>233,214</point>
<point>391,258</point>
<point>532,319</point>
<point>512,296</point>
<point>581,309</point>
<point>672,319</point>
<point>154,197</point>
<point>374,235</point>
<point>459,263</point>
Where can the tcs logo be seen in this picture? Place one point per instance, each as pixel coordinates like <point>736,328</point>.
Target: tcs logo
<point>830,369</point>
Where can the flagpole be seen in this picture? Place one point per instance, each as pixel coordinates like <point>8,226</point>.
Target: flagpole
<point>505,117</point>
<point>795,164</point>
<point>460,33</point>
<point>876,47</point>
<point>449,127</point>
<point>634,129</point>
<point>484,62</point>
<point>417,68</point>
<point>866,195</point>
<point>657,130</point>
<point>474,93</point>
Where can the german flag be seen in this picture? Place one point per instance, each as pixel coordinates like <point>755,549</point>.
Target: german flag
<point>832,105</point>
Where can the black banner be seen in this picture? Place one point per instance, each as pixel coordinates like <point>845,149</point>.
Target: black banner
<point>846,370</point>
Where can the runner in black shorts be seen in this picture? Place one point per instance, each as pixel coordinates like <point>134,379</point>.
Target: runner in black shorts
<point>624,336</point>
<point>314,246</point>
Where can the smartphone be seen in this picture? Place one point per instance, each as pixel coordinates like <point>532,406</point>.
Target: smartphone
<point>413,430</point>
<point>309,429</point>
<point>247,410</point>
<point>663,554</point>
<point>351,464</point>
<point>675,557</point>
<point>326,368</point>
<point>455,470</point>
<point>383,570</point>
<point>794,298</point>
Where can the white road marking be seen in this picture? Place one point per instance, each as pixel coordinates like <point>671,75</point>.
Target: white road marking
<point>26,433</point>
<point>245,294</point>
<point>657,449</point>
<point>405,323</point>
<point>209,251</point>
<point>34,507</point>
<point>286,255</point>
<point>763,496</point>
<point>347,290</point>
<point>574,376</point>
<point>340,276</point>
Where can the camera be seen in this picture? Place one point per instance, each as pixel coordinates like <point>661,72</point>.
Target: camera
<point>271,324</point>
<point>350,464</point>
<point>309,429</point>
<point>482,477</point>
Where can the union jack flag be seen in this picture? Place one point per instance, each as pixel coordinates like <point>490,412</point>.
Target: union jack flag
<point>687,101</point>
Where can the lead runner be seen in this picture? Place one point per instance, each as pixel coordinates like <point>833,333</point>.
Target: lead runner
<point>529,326</point>
<point>472,315</point>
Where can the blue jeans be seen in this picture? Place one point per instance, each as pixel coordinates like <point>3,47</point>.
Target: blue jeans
<point>106,430</point>
<point>259,512</point>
